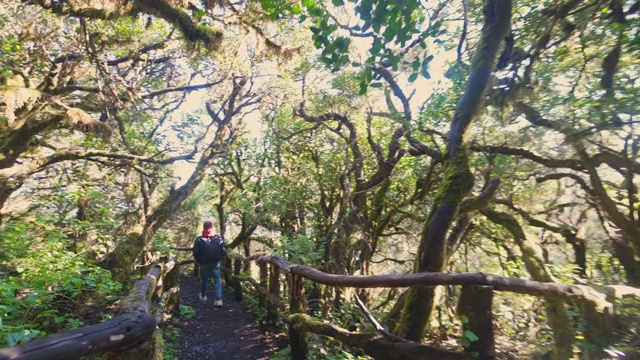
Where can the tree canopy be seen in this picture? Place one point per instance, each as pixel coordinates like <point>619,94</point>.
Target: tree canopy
<point>358,137</point>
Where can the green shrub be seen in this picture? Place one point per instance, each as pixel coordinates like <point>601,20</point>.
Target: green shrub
<point>42,284</point>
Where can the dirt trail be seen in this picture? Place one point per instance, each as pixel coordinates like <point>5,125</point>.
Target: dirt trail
<point>227,333</point>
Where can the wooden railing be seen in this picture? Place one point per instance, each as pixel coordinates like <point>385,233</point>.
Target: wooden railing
<point>133,334</point>
<point>474,306</point>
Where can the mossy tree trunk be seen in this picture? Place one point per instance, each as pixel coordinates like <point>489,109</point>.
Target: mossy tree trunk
<point>458,179</point>
<point>420,300</point>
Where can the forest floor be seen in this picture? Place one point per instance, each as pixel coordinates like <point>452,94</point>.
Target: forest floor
<point>229,332</point>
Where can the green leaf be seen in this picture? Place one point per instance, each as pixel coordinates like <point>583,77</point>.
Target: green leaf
<point>415,65</point>
<point>337,2</point>
<point>363,88</point>
<point>198,13</point>
<point>376,85</point>
<point>295,9</point>
<point>413,77</point>
<point>309,4</point>
<point>468,334</point>
<point>426,61</point>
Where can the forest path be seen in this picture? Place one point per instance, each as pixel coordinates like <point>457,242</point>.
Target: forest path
<point>226,333</point>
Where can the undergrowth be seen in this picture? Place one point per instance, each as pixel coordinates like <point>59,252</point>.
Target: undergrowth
<point>44,287</point>
<point>320,347</point>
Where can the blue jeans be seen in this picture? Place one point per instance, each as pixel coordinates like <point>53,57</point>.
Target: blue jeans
<point>207,271</point>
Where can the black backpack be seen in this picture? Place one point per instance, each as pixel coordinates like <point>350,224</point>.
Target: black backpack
<point>212,249</point>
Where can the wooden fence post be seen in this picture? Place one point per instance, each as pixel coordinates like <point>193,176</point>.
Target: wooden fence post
<point>161,286</point>
<point>474,309</point>
<point>274,293</point>
<point>227,269</point>
<point>297,339</point>
<point>262,299</point>
<point>172,279</point>
<point>598,332</point>
<point>247,253</point>
<point>237,286</point>
<point>157,293</point>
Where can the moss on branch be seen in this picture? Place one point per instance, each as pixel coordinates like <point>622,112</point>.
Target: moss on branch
<point>192,31</point>
<point>377,346</point>
<point>210,38</point>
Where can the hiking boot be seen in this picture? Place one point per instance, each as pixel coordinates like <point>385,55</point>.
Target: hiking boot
<point>203,297</point>
<point>218,303</point>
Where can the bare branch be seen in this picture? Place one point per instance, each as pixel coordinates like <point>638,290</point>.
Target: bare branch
<point>397,91</point>
<point>375,322</point>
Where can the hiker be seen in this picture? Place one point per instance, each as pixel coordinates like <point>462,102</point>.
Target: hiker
<point>208,251</point>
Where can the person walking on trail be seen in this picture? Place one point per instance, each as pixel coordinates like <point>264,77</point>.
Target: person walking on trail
<point>208,251</point>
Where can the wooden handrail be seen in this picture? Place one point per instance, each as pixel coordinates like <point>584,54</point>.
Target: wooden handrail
<point>133,327</point>
<point>596,305</point>
<point>116,334</point>
<point>579,293</point>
